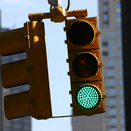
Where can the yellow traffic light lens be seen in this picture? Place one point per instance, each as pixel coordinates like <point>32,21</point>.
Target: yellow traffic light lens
<point>81,33</point>
<point>85,65</point>
<point>88,97</point>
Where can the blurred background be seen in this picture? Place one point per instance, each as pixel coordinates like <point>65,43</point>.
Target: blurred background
<point>14,13</point>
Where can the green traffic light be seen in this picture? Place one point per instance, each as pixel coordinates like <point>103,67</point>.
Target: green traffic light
<point>88,97</point>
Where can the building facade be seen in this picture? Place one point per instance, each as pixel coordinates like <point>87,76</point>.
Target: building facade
<point>111,53</point>
<point>19,124</point>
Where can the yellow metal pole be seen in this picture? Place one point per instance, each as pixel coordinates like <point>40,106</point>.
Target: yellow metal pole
<point>77,13</point>
<point>39,16</point>
<point>58,14</point>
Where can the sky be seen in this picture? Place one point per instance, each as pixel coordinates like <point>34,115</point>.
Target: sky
<point>14,15</point>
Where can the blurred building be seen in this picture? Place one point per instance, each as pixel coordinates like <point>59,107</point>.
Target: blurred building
<point>111,53</point>
<point>111,50</point>
<point>19,124</point>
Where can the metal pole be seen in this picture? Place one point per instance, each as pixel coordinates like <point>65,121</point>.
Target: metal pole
<point>0,20</point>
<point>54,2</point>
<point>1,105</point>
<point>57,2</point>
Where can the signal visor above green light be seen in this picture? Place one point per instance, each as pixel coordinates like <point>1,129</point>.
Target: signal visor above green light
<point>88,97</point>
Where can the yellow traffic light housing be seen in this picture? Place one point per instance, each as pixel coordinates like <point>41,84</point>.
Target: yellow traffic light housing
<point>84,63</point>
<point>32,70</point>
<point>85,66</point>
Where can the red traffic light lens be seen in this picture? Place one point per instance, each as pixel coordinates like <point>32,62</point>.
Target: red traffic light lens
<point>85,65</point>
<point>81,33</point>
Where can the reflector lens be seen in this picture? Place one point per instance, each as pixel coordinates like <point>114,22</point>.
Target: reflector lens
<point>88,97</point>
<point>85,65</point>
<point>81,33</point>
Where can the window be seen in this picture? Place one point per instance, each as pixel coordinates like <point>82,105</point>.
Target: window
<point>122,111</point>
<point>123,121</point>
<point>111,53</point>
<point>120,63</point>
<point>119,34</point>
<point>105,53</point>
<point>111,92</point>
<point>113,129</point>
<point>110,43</point>
<point>120,82</point>
<point>118,5</point>
<point>111,82</point>
<point>105,43</point>
<point>105,17</point>
<point>104,0</point>
<point>105,25</point>
<point>112,112</point>
<point>108,53</point>
<point>113,122</point>
<point>112,102</point>
<point>119,43</point>
<point>105,8</point>
<point>111,63</point>
<point>120,72</point>
<point>118,14</point>
<point>122,101</point>
<point>111,73</point>
<point>119,53</point>
<point>110,34</point>
<point>121,92</point>
<point>119,23</point>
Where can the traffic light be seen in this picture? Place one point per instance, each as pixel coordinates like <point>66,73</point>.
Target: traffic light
<point>32,71</point>
<point>85,66</point>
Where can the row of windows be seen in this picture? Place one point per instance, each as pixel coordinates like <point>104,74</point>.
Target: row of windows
<point>111,34</point>
<point>113,102</point>
<point>114,112</point>
<point>112,72</point>
<point>112,63</point>
<point>113,92</point>
<point>112,53</point>
<point>105,1</point>
<point>113,82</point>
<point>113,121</point>
<point>114,129</point>
<point>111,43</point>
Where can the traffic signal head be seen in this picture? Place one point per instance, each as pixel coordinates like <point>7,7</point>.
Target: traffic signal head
<point>32,71</point>
<point>85,66</point>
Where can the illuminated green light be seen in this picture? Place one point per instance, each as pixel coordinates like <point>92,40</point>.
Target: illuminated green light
<point>88,97</point>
